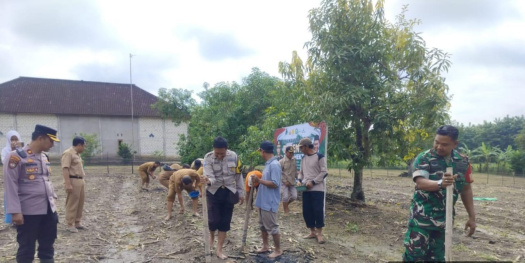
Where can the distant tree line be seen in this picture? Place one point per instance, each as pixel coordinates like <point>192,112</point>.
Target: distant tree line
<point>500,142</point>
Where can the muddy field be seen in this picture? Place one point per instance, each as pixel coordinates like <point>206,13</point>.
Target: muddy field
<point>126,224</point>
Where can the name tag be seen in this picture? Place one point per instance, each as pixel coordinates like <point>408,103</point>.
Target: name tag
<point>31,170</point>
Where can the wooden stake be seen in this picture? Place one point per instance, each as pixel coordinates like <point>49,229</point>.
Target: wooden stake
<point>449,221</point>
<point>246,219</point>
<point>205,226</point>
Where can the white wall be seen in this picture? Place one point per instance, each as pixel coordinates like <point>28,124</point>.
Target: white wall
<point>172,136</point>
<point>108,129</point>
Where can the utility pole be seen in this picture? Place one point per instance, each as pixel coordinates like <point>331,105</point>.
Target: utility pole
<point>132,129</point>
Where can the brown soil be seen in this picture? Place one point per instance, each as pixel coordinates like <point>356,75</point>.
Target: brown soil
<point>126,224</point>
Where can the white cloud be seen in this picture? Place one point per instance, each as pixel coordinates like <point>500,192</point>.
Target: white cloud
<point>182,44</point>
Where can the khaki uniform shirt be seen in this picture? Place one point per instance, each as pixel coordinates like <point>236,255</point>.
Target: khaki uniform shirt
<point>201,170</point>
<point>28,189</point>
<point>148,167</point>
<point>175,184</point>
<point>289,169</point>
<point>72,160</point>
<point>224,173</point>
<point>165,175</point>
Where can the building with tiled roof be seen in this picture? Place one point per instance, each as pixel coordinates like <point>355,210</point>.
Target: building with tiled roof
<point>73,107</point>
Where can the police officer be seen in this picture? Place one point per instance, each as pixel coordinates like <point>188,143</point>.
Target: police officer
<point>27,175</point>
<point>425,236</point>
<point>225,189</point>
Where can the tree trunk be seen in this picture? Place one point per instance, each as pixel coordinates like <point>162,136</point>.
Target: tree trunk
<point>359,161</point>
<point>357,192</point>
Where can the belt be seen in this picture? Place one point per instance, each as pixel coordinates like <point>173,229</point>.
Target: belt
<point>76,177</point>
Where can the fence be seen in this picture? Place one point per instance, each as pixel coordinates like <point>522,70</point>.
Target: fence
<point>479,177</point>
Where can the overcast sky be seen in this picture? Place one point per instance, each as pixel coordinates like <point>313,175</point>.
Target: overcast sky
<point>182,44</point>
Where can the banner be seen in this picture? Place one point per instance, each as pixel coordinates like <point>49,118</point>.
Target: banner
<point>291,135</point>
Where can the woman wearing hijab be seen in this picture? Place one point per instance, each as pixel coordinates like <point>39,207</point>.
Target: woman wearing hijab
<point>13,140</point>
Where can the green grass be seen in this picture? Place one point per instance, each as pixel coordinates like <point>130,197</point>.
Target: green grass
<point>351,227</point>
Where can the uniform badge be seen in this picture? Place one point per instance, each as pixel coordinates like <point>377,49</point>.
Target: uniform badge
<point>30,160</point>
<point>31,177</point>
<point>13,161</point>
<point>30,170</point>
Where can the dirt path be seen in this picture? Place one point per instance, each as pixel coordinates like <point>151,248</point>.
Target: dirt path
<point>126,225</point>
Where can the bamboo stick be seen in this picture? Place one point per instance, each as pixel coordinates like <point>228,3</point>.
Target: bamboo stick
<point>449,219</point>
<point>246,219</point>
<point>205,227</point>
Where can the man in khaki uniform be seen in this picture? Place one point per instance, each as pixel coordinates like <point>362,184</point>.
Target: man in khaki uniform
<point>164,176</point>
<point>73,173</point>
<point>289,174</point>
<point>145,171</point>
<point>184,179</point>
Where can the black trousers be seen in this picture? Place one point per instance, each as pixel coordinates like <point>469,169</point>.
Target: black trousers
<point>220,210</point>
<point>41,228</point>
<point>313,209</point>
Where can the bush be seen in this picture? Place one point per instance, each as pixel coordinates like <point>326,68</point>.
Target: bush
<point>517,162</point>
<point>92,147</point>
<point>124,151</point>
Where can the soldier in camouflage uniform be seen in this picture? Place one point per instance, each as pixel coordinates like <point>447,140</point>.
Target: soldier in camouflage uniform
<point>425,237</point>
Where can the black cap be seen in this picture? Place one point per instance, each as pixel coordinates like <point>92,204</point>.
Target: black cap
<point>198,163</point>
<point>186,180</point>
<point>44,130</point>
<point>266,146</point>
<point>289,149</point>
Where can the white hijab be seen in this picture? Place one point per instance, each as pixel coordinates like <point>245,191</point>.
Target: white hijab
<point>7,149</point>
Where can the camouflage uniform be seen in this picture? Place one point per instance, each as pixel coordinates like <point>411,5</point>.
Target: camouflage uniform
<point>425,237</point>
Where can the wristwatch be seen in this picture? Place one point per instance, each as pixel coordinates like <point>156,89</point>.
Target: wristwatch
<point>440,183</point>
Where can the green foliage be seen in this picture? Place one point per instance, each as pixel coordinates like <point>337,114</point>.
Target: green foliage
<point>520,140</point>
<point>93,147</point>
<point>517,162</point>
<point>243,113</point>
<point>351,227</point>
<point>124,151</point>
<point>485,153</point>
<point>498,133</point>
<point>374,81</point>
<point>175,104</point>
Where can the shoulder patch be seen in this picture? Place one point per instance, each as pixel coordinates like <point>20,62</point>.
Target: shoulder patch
<point>13,161</point>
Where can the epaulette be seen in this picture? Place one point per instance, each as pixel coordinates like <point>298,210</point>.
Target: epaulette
<point>208,154</point>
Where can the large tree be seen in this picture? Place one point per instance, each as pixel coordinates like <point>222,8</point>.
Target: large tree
<point>228,110</point>
<point>174,104</point>
<point>373,81</point>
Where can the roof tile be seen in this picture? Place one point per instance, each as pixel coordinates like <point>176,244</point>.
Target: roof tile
<point>71,97</point>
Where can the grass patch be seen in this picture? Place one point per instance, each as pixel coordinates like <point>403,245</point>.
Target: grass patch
<point>488,257</point>
<point>351,227</point>
<point>460,247</point>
